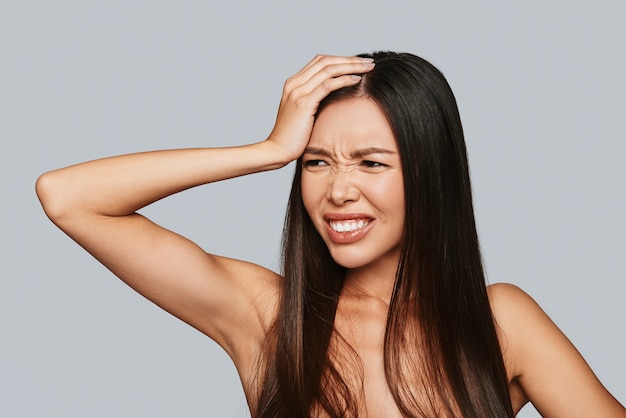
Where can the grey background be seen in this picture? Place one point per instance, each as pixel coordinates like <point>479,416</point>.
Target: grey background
<point>541,91</point>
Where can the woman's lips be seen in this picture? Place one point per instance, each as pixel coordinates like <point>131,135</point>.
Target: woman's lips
<point>347,228</point>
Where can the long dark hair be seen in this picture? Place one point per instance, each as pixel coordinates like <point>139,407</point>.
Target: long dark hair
<point>442,355</point>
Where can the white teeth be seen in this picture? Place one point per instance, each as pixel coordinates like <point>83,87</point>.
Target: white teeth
<point>348,226</point>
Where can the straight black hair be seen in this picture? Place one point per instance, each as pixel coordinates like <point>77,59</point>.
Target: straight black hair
<point>442,354</point>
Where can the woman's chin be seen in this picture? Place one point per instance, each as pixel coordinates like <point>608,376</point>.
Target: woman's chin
<point>381,259</point>
<point>348,261</point>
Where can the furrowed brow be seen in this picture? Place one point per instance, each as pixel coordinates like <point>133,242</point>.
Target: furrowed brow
<point>316,151</point>
<point>356,154</point>
<point>368,151</point>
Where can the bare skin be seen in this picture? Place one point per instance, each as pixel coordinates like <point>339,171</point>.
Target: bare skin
<point>234,302</point>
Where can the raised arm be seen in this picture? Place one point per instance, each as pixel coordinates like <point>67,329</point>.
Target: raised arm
<point>95,203</point>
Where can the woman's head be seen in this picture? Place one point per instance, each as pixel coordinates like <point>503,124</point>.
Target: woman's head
<point>421,114</point>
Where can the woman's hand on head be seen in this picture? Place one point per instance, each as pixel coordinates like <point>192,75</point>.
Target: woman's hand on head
<point>302,95</point>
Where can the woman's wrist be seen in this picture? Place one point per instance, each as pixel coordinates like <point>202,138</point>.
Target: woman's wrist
<point>271,155</point>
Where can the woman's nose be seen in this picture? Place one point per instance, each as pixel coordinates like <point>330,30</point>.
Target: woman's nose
<point>342,190</point>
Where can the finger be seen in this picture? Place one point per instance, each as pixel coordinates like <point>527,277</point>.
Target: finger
<point>312,99</point>
<point>339,69</point>
<point>327,73</point>
<point>325,66</point>
<point>296,89</point>
<point>311,63</point>
<point>323,61</point>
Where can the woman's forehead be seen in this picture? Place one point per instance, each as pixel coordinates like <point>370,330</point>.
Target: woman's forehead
<point>352,124</point>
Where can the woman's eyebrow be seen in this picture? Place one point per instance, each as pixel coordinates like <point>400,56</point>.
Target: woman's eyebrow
<point>355,154</point>
<point>316,151</point>
<point>368,151</point>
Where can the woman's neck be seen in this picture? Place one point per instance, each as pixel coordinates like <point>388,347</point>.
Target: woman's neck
<point>375,280</point>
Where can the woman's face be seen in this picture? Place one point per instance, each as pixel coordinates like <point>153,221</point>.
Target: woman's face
<point>352,185</point>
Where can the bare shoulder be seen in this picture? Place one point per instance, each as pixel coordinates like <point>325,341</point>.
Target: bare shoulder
<point>248,307</point>
<point>514,310</point>
<point>250,297</point>
<point>258,287</point>
<point>507,299</point>
<point>547,366</point>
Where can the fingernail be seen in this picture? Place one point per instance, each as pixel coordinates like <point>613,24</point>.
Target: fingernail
<point>356,77</point>
<point>367,60</point>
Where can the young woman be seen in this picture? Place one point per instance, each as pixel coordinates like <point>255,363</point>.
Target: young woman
<point>381,309</point>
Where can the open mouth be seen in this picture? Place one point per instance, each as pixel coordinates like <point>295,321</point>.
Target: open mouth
<point>347,228</point>
<point>348,225</point>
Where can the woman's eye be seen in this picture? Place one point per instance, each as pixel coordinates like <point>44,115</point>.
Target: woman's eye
<point>373,164</point>
<point>314,163</point>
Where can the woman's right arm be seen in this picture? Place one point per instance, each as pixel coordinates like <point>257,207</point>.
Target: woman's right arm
<point>96,204</point>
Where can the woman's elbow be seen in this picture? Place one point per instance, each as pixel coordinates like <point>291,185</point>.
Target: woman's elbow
<point>52,194</point>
